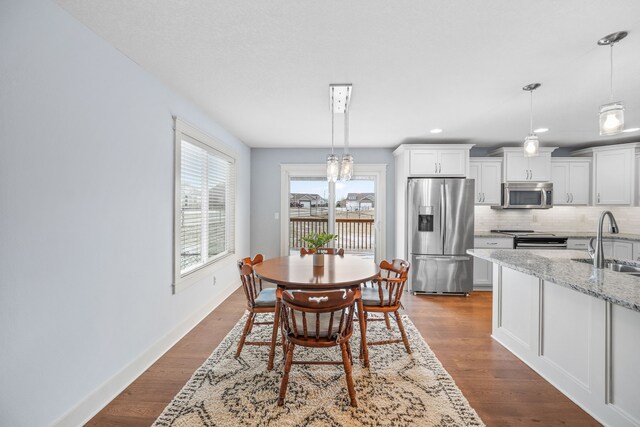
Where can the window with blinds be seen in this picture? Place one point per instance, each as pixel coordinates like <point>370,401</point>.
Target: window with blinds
<point>206,205</point>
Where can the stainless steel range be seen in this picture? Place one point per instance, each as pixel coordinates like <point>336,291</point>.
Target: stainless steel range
<point>530,239</point>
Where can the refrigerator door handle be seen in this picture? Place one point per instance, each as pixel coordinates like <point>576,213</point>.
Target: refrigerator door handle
<point>443,212</point>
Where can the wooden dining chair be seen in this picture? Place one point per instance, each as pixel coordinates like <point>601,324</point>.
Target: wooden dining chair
<point>329,251</point>
<point>259,300</point>
<point>384,297</point>
<point>318,319</point>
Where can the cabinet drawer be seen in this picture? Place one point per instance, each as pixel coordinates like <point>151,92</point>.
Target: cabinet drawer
<point>577,244</point>
<point>493,242</point>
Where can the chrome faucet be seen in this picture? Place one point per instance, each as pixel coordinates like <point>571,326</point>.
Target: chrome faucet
<point>598,253</point>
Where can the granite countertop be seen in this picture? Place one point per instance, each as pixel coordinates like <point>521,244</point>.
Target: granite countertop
<point>491,234</point>
<point>588,235</point>
<point>570,234</point>
<point>557,266</point>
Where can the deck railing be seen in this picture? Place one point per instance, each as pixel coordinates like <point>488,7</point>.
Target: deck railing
<point>353,234</point>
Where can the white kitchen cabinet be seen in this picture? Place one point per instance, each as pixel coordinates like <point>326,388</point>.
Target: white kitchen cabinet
<point>482,276</point>
<point>518,168</point>
<point>487,173</point>
<point>622,250</point>
<point>615,173</point>
<point>482,270</point>
<point>451,162</point>
<point>613,178</point>
<point>571,178</point>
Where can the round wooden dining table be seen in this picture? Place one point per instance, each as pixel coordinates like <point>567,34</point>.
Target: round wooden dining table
<point>298,272</point>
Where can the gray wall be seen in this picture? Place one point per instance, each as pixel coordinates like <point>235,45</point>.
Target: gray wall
<point>86,217</point>
<point>265,190</point>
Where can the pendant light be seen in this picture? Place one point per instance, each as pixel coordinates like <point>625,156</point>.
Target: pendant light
<point>611,116</point>
<point>339,97</point>
<point>346,167</point>
<point>531,143</point>
<point>333,166</point>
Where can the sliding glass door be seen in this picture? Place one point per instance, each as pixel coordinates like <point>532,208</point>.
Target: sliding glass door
<point>353,210</point>
<point>355,218</point>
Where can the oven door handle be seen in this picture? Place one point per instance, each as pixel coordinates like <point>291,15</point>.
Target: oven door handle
<point>540,245</point>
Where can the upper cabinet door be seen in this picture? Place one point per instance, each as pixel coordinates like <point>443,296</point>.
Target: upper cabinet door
<point>423,162</point>
<point>516,166</point>
<point>491,183</point>
<point>579,183</point>
<point>474,173</point>
<point>540,167</point>
<point>560,179</point>
<point>452,162</point>
<point>613,177</point>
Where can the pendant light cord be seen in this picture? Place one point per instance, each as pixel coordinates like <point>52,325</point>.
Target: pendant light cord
<point>611,76</point>
<point>346,131</point>
<point>332,131</point>
<point>531,114</point>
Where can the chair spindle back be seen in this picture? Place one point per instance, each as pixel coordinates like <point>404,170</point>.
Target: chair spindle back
<point>310,314</point>
<point>393,277</point>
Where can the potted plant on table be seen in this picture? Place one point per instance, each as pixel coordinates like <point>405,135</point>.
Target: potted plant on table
<point>317,241</point>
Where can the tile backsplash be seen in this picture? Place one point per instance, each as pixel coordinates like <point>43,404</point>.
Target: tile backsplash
<point>558,218</point>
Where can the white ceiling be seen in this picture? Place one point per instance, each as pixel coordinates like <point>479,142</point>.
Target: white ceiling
<point>262,68</point>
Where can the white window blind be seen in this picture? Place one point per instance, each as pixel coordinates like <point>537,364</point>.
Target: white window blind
<point>207,202</point>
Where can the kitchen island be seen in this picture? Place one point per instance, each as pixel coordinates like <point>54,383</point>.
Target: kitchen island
<point>577,327</point>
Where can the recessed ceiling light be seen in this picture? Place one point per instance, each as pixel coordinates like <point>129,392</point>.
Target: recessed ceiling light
<point>541,130</point>
<point>631,130</point>
<point>436,130</point>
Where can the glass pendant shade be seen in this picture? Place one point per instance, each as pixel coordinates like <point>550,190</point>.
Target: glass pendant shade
<point>333,168</point>
<point>531,145</point>
<point>611,118</point>
<point>346,167</point>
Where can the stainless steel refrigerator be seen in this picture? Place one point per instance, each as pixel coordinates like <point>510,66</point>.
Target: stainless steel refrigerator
<point>440,226</point>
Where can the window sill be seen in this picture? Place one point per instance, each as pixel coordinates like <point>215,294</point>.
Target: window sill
<point>200,274</point>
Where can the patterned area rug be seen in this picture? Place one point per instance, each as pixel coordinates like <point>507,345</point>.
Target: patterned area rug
<point>398,390</point>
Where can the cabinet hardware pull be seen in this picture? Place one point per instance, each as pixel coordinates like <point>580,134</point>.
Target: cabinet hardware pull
<point>492,243</point>
<point>598,197</point>
<point>571,197</point>
<point>483,197</point>
<point>436,167</point>
<point>439,167</point>
<point>567,197</point>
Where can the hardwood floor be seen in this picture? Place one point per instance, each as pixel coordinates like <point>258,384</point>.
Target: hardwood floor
<point>502,389</point>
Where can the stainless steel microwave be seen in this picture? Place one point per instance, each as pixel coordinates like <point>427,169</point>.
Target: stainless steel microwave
<point>526,195</point>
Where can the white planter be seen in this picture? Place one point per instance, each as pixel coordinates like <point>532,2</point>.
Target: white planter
<point>318,260</point>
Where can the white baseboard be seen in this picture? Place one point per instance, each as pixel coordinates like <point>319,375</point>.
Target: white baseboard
<point>96,401</point>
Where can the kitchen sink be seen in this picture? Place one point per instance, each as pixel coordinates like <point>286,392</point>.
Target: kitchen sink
<point>623,268</point>
<point>633,270</point>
